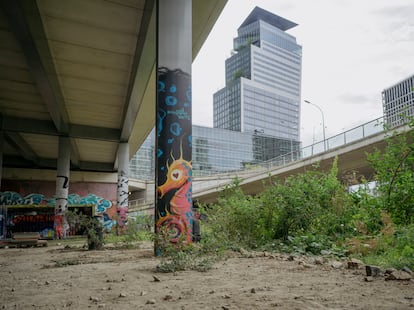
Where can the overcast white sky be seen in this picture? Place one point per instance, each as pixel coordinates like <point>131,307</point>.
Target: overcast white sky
<point>352,50</point>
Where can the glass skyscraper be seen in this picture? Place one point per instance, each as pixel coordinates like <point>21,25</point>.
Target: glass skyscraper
<point>263,84</point>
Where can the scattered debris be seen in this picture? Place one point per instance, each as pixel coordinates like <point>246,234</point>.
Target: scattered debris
<point>406,269</point>
<point>389,270</point>
<point>399,275</point>
<point>23,240</point>
<point>373,271</point>
<point>336,264</point>
<point>354,263</point>
<point>244,252</point>
<point>168,297</point>
<point>94,299</point>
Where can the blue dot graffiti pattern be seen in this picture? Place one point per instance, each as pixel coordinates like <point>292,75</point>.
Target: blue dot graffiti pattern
<point>174,200</point>
<point>170,100</point>
<point>173,115</point>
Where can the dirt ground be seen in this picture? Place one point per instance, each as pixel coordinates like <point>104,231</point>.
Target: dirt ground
<point>56,278</point>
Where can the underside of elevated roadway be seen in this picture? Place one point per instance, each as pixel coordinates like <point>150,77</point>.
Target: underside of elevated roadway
<point>84,70</point>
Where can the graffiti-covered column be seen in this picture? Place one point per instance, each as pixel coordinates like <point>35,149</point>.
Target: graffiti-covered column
<point>122,194</point>
<point>173,209</point>
<point>61,226</point>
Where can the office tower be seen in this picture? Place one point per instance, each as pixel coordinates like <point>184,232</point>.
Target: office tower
<point>398,102</point>
<point>263,85</point>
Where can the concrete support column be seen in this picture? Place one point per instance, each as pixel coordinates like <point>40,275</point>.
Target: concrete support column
<point>61,226</point>
<point>173,207</point>
<point>122,194</point>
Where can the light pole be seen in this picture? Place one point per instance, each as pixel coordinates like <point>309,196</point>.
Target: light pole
<point>323,122</point>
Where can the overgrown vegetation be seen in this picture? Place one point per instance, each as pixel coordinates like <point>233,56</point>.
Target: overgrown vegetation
<point>91,226</point>
<point>395,176</point>
<point>313,213</point>
<point>183,256</point>
<point>138,229</point>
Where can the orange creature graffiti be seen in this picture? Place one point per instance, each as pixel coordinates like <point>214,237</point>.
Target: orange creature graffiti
<point>178,219</point>
<point>59,227</point>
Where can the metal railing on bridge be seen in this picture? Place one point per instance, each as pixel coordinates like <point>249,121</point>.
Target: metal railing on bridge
<point>349,136</point>
<point>357,133</point>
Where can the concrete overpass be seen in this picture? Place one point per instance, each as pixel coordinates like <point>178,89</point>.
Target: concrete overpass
<point>84,70</point>
<point>78,97</point>
<point>352,167</point>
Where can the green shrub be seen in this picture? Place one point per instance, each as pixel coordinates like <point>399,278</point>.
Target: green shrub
<point>396,250</point>
<point>309,202</point>
<point>310,244</point>
<point>137,229</point>
<point>91,225</point>
<point>182,256</point>
<point>234,219</point>
<point>394,173</point>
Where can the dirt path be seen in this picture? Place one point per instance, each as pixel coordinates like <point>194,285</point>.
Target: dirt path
<point>53,278</point>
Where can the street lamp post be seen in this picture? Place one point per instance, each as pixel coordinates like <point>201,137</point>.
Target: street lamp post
<point>323,122</point>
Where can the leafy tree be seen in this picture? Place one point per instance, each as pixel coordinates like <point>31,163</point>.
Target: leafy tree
<point>394,173</point>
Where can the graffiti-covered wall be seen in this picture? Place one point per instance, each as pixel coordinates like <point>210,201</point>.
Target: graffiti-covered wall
<point>39,197</point>
<point>48,188</point>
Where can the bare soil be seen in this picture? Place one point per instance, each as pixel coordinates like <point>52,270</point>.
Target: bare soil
<point>57,278</point>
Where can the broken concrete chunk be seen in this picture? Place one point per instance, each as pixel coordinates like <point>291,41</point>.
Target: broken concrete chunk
<point>373,271</point>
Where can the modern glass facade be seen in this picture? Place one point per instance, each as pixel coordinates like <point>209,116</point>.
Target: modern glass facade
<point>398,102</point>
<point>219,150</point>
<point>227,112</point>
<point>214,150</point>
<point>263,82</point>
<point>142,164</point>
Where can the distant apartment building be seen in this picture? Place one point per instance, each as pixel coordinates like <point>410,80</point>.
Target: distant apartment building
<point>398,102</point>
<point>263,84</point>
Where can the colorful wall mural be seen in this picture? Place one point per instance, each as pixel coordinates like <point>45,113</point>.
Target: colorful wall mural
<point>40,216</point>
<point>174,172</point>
